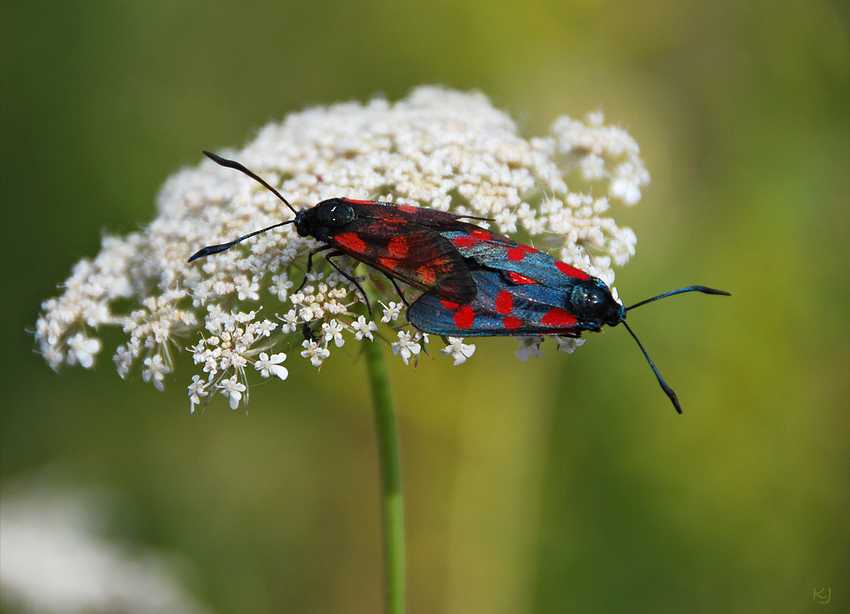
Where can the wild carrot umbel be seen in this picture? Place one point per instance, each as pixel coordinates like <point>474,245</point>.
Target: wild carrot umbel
<point>241,312</point>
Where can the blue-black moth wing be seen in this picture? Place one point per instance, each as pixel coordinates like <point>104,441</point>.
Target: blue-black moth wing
<point>521,263</point>
<point>501,308</point>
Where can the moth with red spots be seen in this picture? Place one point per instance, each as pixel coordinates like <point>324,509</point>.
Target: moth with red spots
<point>401,241</point>
<point>524,292</point>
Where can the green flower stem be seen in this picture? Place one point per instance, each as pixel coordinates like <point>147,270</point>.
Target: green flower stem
<point>390,478</point>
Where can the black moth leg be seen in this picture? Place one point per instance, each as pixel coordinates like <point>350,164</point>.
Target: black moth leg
<point>335,254</point>
<point>400,293</point>
<point>309,269</point>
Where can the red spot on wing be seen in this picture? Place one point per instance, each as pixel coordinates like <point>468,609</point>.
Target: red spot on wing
<point>510,322</point>
<point>449,305</point>
<point>350,241</point>
<point>390,264</point>
<point>520,280</point>
<point>360,202</point>
<point>528,249</point>
<point>464,317</point>
<point>408,208</point>
<point>504,303</point>
<point>482,235</point>
<point>398,247</point>
<point>427,274</point>
<point>515,254</point>
<point>571,270</point>
<point>462,241</point>
<point>558,318</point>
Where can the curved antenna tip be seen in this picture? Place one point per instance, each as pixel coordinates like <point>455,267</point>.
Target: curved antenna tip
<point>245,170</point>
<point>702,289</point>
<point>667,390</point>
<point>214,249</point>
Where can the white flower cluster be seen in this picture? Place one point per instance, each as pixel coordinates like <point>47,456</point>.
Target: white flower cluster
<point>437,148</point>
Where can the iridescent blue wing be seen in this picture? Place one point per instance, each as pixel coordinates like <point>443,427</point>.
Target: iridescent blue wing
<point>501,308</point>
<point>522,263</point>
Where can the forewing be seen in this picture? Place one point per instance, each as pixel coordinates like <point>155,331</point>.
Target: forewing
<point>413,253</point>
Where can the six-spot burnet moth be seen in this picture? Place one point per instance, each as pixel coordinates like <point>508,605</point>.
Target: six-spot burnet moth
<point>524,292</point>
<point>401,241</point>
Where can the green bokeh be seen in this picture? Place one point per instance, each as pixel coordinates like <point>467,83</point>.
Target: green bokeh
<point>564,484</point>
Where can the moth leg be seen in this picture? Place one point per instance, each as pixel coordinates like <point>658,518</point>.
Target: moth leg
<point>318,250</point>
<point>400,293</point>
<point>335,254</point>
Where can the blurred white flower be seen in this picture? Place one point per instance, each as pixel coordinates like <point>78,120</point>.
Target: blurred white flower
<point>569,344</point>
<point>529,347</point>
<point>197,389</point>
<point>82,349</point>
<point>155,370</point>
<point>54,559</point>
<point>332,331</point>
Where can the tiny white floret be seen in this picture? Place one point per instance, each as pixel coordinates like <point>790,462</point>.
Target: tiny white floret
<point>332,331</point>
<point>268,366</point>
<point>232,388</point>
<point>155,370</point>
<point>82,349</point>
<point>569,344</point>
<point>363,329</point>
<point>391,312</point>
<point>405,346</point>
<point>196,391</point>
<point>315,352</point>
<point>458,350</point>
<point>529,347</point>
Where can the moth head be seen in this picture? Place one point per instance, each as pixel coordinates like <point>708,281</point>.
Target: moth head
<point>591,301</point>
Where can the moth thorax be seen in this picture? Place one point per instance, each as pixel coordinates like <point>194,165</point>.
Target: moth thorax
<point>591,302</point>
<point>334,212</point>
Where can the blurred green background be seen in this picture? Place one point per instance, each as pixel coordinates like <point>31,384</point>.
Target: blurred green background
<point>566,484</point>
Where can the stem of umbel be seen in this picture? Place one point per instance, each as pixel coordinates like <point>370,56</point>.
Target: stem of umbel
<point>388,459</point>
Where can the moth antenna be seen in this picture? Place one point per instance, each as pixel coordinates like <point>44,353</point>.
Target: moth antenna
<point>667,390</point>
<point>214,249</point>
<point>241,168</point>
<point>702,289</point>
